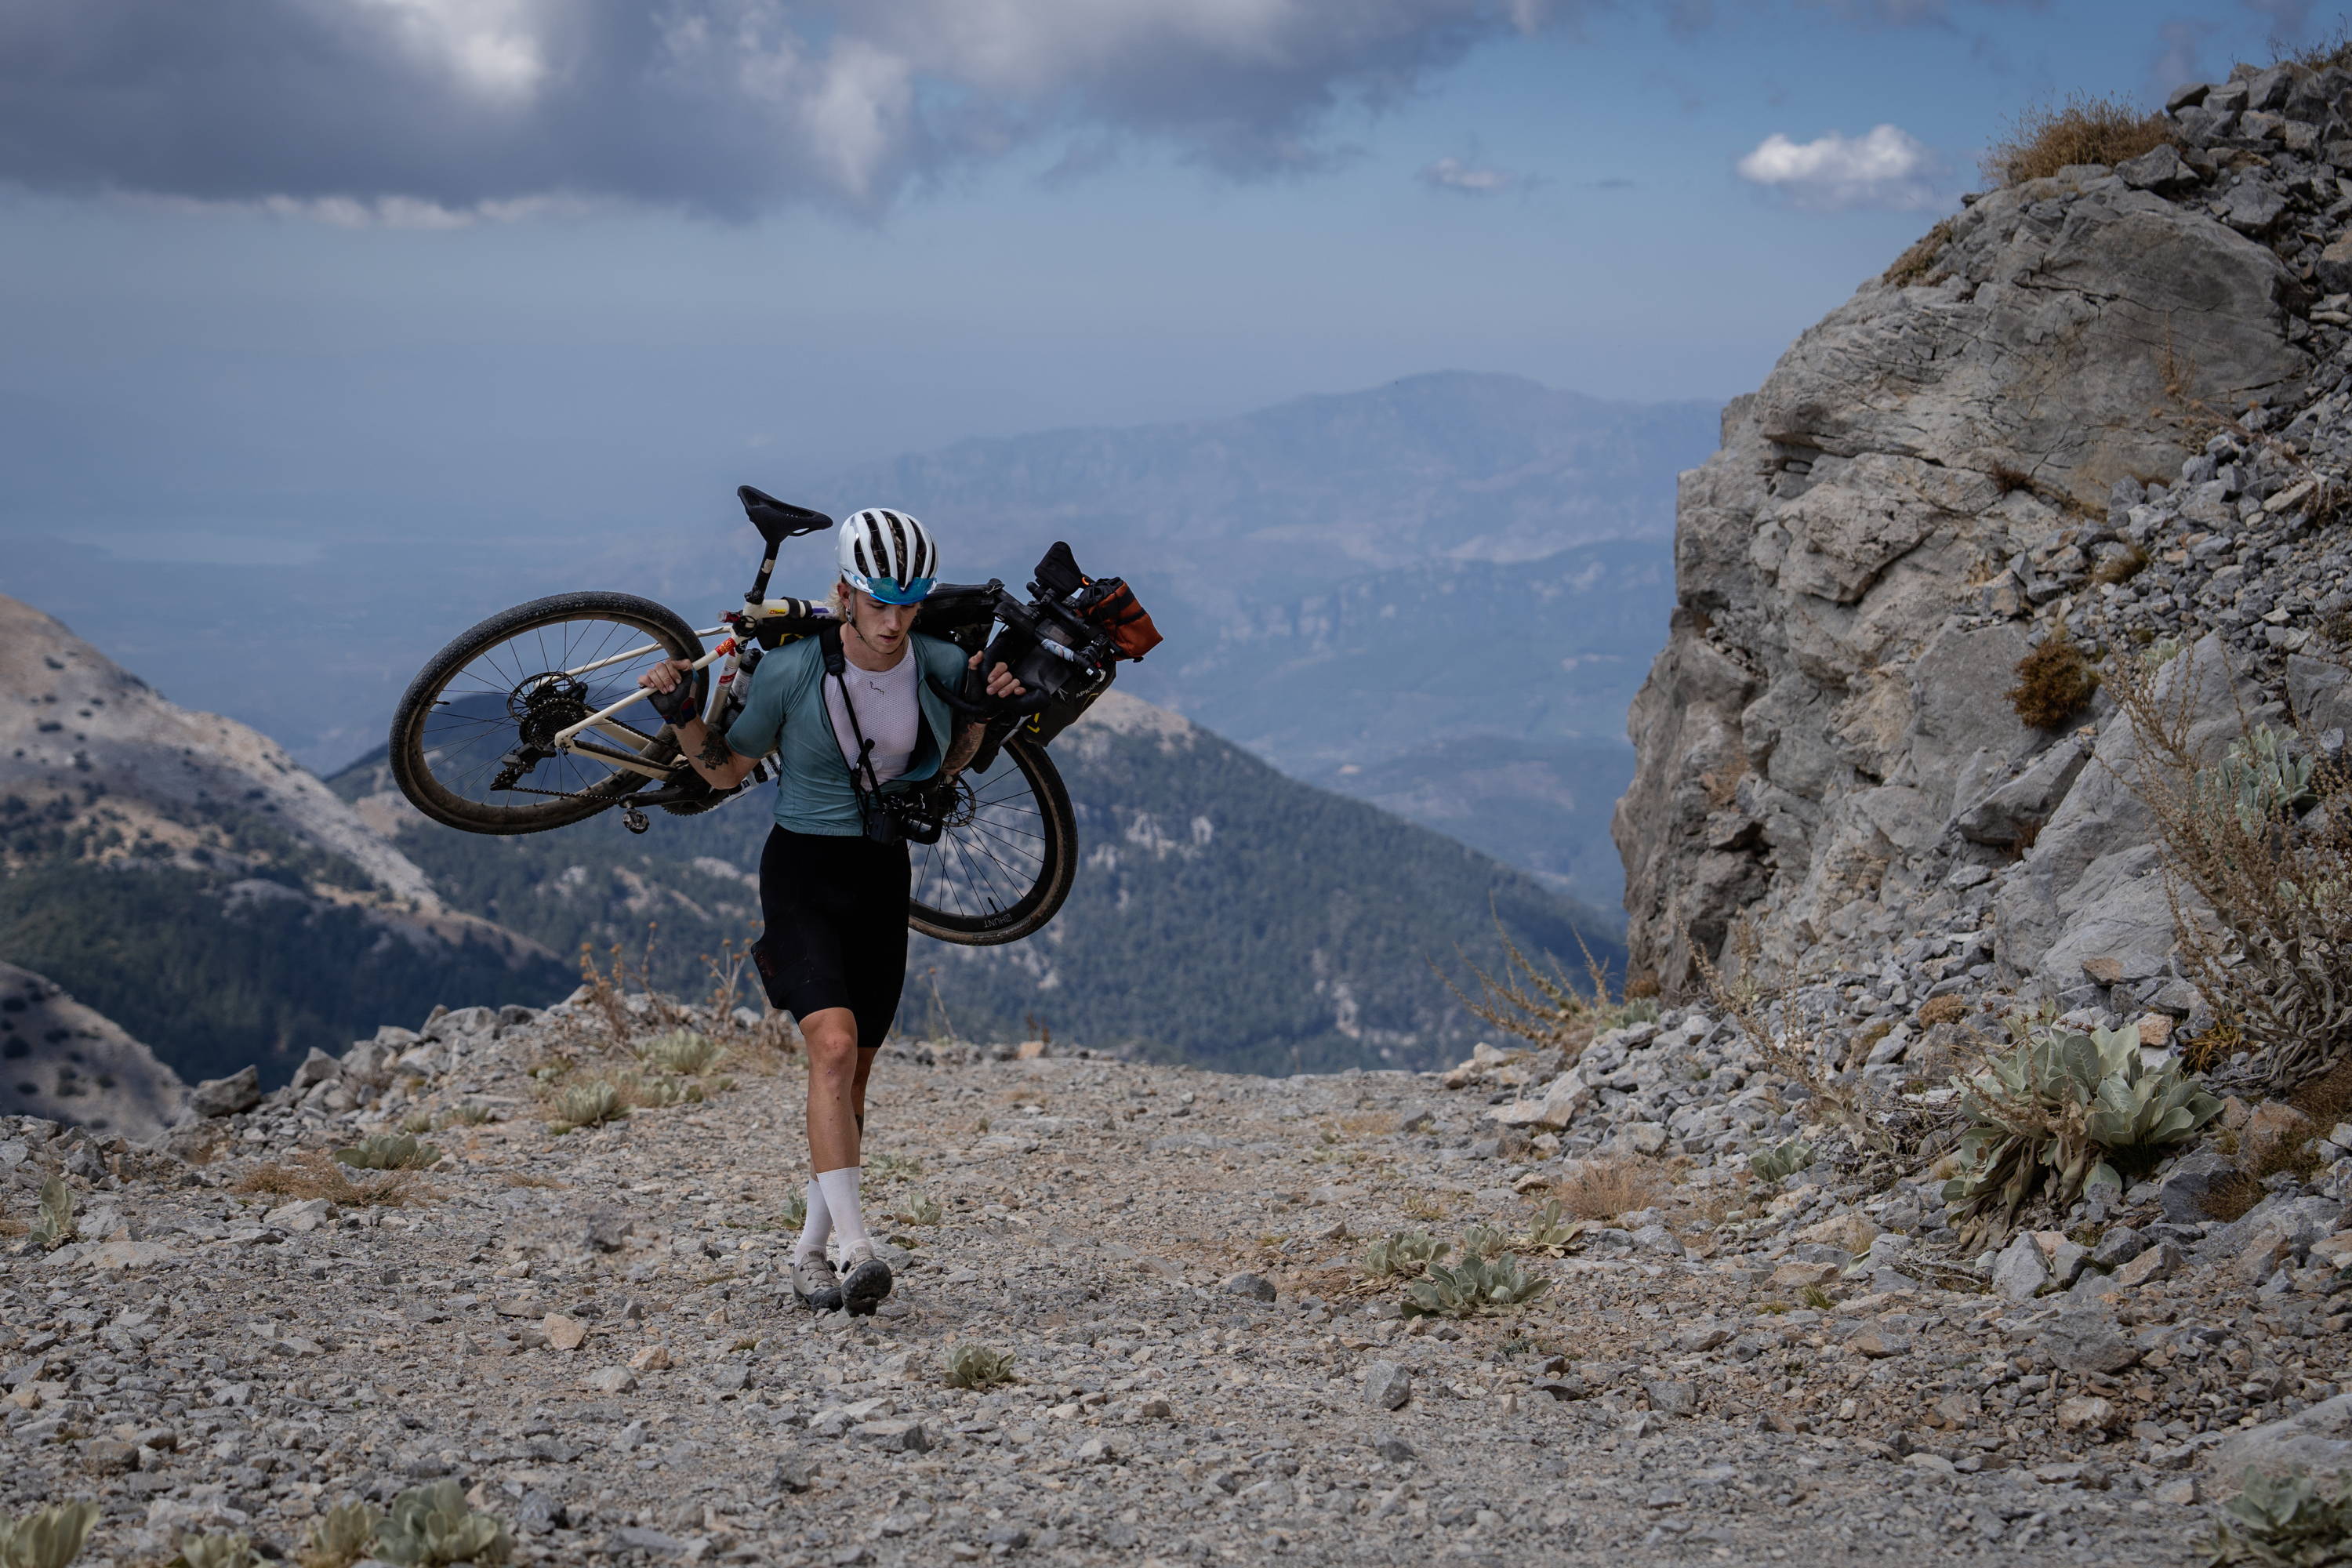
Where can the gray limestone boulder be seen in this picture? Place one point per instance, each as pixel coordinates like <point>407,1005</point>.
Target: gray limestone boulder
<point>1859,497</point>
<point>2319,1439</point>
<point>241,1090</point>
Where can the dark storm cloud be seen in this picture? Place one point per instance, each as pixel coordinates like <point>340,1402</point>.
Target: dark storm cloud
<point>438,109</point>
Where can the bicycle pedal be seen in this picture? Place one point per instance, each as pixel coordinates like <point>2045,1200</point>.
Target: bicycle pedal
<point>635,821</point>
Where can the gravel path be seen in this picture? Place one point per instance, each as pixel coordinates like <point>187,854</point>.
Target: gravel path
<point>203,1358</point>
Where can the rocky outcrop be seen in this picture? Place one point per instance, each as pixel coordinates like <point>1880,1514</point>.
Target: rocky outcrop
<point>2106,404</point>
<point>64,1062</point>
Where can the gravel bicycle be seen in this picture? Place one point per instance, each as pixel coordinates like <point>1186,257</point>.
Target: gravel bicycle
<point>531,720</point>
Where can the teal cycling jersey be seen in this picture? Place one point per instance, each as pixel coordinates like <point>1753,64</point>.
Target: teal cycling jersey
<point>785,712</point>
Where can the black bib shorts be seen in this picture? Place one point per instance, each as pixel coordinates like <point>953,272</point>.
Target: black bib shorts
<point>836,936</point>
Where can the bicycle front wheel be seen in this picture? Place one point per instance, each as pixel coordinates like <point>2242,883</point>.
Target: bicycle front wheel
<point>1004,861</point>
<point>473,739</point>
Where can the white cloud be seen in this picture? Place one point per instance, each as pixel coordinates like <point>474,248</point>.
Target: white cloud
<point>1885,167</point>
<point>1470,179</point>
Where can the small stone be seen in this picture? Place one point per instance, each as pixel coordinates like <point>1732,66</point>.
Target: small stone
<point>2087,1342</point>
<point>653,1358</point>
<point>610,1380</point>
<point>1673,1399</point>
<point>1256,1287</point>
<point>563,1333</point>
<point>2178,1492</point>
<point>108,1457</point>
<point>1797,1276</point>
<point>307,1215</point>
<point>2155,1030</point>
<point>1879,1344</point>
<point>1642,1137</point>
<point>1387,1386</point>
<point>2020,1271</point>
<point>2087,1413</point>
<point>1851,1232</point>
<point>897,1435</point>
<point>729,1376</point>
<point>241,1090</point>
<point>2117,1247</point>
<point>606,1231</point>
<point>792,1474</point>
<point>1394,1448</point>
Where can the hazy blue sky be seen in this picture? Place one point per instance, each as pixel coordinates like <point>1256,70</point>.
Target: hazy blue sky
<point>284,272</point>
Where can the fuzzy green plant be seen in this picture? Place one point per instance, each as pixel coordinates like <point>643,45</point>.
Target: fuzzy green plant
<point>794,1211</point>
<point>2289,1520</point>
<point>921,1209</point>
<point>1551,1231</point>
<point>893,1167</point>
<point>1778,1163</point>
<point>1472,1287</point>
<point>47,1537</point>
<point>56,1225</point>
<point>432,1525</point>
<point>388,1151</point>
<point>216,1549</point>
<point>342,1536</point>
<point>1484,1241</point>
<point>660,1092</point>
<point>2069,1111</point>
<point>585,1105</point>
<point>2263,780</point>
<point>977,1366</point>
<point>472,1113</point>
<point>1401,1254</point>
<point>684,1052</point>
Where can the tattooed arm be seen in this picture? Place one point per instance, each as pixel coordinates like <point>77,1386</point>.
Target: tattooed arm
<point>722,766</point>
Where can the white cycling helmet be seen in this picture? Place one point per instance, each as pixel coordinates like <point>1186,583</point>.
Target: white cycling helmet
<point>887,555</point>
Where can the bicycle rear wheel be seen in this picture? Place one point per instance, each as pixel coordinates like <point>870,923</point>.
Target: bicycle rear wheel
<point>471,738</point>
<point>1005,862</point>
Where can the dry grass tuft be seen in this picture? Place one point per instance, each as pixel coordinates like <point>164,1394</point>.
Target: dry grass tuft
<point>2121,568</point>
<point>529,1179</point>
<point>2053,683</point>
<point>2009,479</point>
<point>1918,265</point>
<point>1945,1009</point>
<point>314,1174</point>
<point>1541,1004</point>
<point>2042,140</point>
<point>1607,1188</point>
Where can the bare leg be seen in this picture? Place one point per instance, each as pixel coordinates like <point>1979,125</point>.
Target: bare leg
<point>837,1087</point>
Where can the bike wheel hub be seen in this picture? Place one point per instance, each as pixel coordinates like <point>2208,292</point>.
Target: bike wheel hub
<point>544,706</point>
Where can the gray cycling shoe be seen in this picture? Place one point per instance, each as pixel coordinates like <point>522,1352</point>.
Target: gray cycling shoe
<point>865,1280</point>
<point>816,1286</point>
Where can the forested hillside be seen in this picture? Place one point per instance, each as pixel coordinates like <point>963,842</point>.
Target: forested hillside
<point>1222,914</point>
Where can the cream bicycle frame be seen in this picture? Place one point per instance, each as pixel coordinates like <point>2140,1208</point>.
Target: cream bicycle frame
<point>568,739</point>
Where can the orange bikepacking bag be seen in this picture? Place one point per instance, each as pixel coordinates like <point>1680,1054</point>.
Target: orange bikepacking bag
<point>1116,614</point>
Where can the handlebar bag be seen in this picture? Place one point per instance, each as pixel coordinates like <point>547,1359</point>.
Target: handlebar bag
<point>1062,709</point>
<point>1118,616</point>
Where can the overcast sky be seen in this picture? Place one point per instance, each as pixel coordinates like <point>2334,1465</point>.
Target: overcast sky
<point>279,271</point>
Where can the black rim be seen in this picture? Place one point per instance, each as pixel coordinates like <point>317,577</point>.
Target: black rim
<point>996,855</point>
<point>486,737</point>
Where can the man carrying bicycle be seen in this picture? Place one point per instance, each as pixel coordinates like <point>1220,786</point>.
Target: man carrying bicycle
<point>850,714</point>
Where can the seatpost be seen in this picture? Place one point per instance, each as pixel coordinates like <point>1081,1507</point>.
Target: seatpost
<point>759,584</point>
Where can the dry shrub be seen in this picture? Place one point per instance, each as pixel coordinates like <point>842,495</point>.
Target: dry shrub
<point>606,1024</point>
<point>2330,51</point>
<point>1540,1005</point>
<point>2009,479</point>
<point>1918,265</point>
<point>1607,1188</point>
<point>2121,568</point>
<point>1945,1009</point>
<point>2045,140</point>
<point>312,1173</point>
<point>2053,683</point>
<point>2328,1099</point>
<point>1642,987</point>
<point>1790,1045</point>
<point>2260,878</point>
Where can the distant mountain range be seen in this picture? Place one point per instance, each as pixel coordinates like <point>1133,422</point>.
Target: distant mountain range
<point>181,875</point>
<point>1223,914</point>
<point>1438,594</point>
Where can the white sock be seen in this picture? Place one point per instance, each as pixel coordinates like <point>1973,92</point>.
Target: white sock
<point>815,1228</point>
<point>841,1197</point>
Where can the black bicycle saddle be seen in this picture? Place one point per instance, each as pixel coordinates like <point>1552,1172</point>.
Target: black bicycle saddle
<point>778,520</point>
